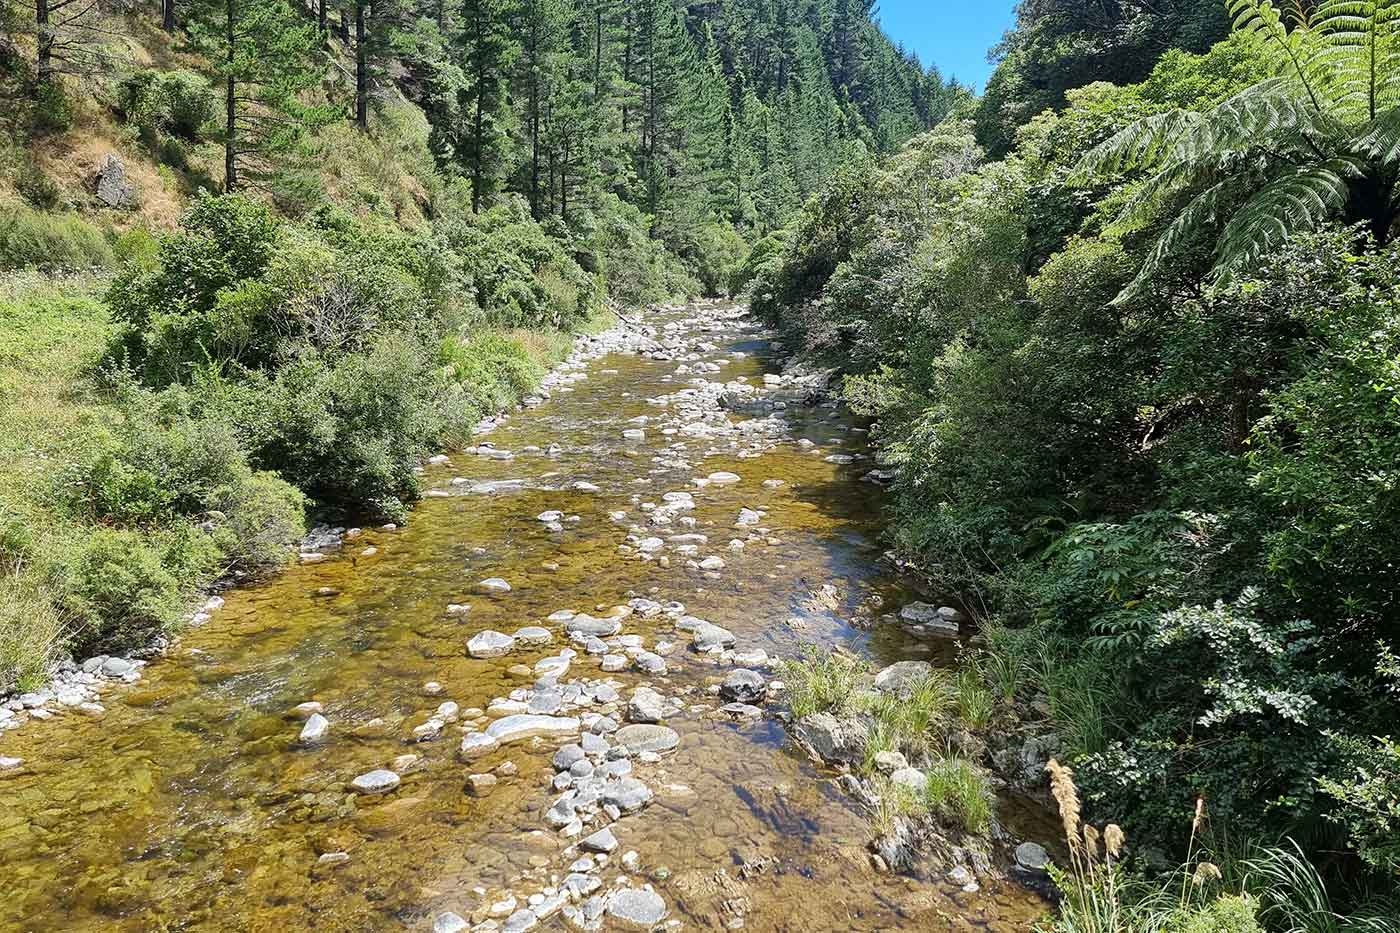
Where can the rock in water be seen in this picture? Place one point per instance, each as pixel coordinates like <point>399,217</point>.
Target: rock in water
<point>636,908</point>
<point>490,644</point>
<point>493,585</point>
<point>378,781</point>
<point>601,841</point>
<point>525,726</point>
<point>449,922</point>
<point>629,795</point>
<point>744,686</point>
<point>644,737</point>
<point>315,729</point>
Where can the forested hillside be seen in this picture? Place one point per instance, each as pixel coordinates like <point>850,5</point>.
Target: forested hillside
<point>1131,348</point>
<point>263,258</point>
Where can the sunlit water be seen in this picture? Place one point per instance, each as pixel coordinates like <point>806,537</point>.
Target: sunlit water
<point>190,806</point>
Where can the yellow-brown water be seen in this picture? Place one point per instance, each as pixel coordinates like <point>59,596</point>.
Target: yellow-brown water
<point>189,805</point>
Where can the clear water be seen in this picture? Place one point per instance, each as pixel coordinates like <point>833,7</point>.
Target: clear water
<point>189,805</point>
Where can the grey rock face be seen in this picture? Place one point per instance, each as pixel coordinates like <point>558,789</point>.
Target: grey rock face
<point>113,187</point>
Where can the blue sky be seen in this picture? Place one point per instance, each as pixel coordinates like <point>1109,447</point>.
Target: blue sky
<point>952,34</point>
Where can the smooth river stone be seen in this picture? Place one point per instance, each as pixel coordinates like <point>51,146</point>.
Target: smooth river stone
<point>476,744</point>
<point>527,726</point>
<point>378,781</point>
<point>493,585</point>
<point>490,644</point>
<point>723,478</point>
<point>587,625</point>
<point>708,636</point>
<point>534,636</point>
<point>636,908</point>
<point>644,737</point>
<point>315,729</point>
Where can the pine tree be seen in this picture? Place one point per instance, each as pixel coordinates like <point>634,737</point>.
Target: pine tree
<point>265,55</point>
<point>487,50</point>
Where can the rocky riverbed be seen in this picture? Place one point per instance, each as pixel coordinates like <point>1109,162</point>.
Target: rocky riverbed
<point>548,702</point>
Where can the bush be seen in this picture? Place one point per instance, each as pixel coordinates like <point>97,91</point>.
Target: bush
<point>351,431</point>
<point>52,242</point>
<point>118,590</point>
<point>160,102</point>
<point>256,520</point>
<point>36,187</point>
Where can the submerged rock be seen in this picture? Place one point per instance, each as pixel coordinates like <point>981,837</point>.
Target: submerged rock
<point>645,737</point>
<point>636,908</point>
<point>378,781</point>
<point>744,686</point>
<point>527,726</point>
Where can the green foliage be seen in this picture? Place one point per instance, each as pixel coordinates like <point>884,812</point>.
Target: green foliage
<point>55,242</point>
<point>959,794</point>
<point>823,681</point>
<point>117,588</point>
<point>157,103</point>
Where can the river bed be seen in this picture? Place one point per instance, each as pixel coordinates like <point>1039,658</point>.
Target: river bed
<point>191,804</point>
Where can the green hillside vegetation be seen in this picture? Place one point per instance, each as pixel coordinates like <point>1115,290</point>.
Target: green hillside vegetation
<point>342,234</point>
<point>1139,379</point>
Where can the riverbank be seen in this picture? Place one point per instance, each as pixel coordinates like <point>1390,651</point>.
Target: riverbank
<point>61,412</point>
<point>756,523</point>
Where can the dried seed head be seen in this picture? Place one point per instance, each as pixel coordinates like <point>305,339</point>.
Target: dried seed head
<point>1206,871</point>
<point>1113,839</point>
<point>1200,818</point>
<point>1091,842</point>
<point>1067,798</point>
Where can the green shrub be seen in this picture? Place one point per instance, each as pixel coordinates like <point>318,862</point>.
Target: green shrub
<point>36,187</point>
<point>823,681</point>
<point>351,431</point>
<point>118,591</point>
<point>159,102</point>
<point>52,242</point>
<point>256,519</point>
<point>32,631</point>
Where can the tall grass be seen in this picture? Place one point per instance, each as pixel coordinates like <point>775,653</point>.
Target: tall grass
<point>956,792</point>
<point>32,632</point>
<point>822,681</point>
<point>32,239</point>
<point>1278,889</point>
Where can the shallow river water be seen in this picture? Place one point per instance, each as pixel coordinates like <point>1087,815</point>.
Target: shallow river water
<point>191,805</point>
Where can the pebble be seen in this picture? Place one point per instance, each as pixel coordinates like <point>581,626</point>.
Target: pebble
<point>643,737</point>
<point>315,729</point>
<point>601,841</point>
<point>378,781</point>
<point>493,586</point>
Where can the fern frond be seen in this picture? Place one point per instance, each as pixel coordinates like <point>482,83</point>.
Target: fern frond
<point>1381,141</point>
<point>1299,201</point>
<point>1137,145</point>
<point>1204,210</point>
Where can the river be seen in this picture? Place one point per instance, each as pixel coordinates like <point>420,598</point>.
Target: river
<point>192,804</point>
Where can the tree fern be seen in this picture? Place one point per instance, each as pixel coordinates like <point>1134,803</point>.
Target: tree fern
<point>1319,141</point>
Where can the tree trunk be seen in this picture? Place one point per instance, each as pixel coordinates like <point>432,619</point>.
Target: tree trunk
<point>321,16</point>
<point>535,117</point>
<point>361,69</point>
<point>167,17</point>
<point>230,107</point>
<point>44,60</point>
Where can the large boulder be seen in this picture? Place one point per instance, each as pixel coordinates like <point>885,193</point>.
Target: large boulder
<point>900,677</point>
<point>834,740</point>
<point>113,187</point>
